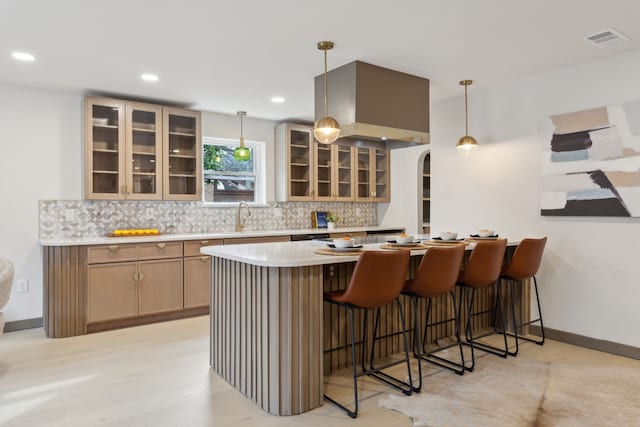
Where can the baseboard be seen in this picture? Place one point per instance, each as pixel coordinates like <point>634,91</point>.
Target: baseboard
<point>18,325</point>
<point>588,342</point>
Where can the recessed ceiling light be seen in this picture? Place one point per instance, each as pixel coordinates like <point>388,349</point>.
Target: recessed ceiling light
<point>23,56</point>
<point>277,99</point>
<point>149,77</point>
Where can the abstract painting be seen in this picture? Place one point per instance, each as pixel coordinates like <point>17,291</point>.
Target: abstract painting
<point>591,163</point>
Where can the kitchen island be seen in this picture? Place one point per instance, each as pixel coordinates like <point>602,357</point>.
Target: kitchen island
<point>272,337</point>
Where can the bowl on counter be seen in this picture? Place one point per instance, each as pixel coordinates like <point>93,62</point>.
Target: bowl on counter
<point>344,242</point>
<point>405,238</point>
<point>448,235</point>
<point>486,232</point>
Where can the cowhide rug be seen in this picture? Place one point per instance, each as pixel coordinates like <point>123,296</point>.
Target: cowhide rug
<point>525,392</point>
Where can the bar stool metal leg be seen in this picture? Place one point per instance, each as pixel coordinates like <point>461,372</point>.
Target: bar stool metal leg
<point>517,326</point>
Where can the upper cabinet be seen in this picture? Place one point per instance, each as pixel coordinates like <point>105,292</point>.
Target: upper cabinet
<point>183,155</point>
<point>308,170</point>
<point>372,177</point>
<point>295,162</point>
<point>138,151</point>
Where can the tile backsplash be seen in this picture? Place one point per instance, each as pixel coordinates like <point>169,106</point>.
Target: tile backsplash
<point>94,218</point>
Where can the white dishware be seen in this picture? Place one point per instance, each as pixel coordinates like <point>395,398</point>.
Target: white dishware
<point>448,235</point>
<point>486,232</point>
<point>343,242</point>
<point>100,121</point>
<point>408,238</point>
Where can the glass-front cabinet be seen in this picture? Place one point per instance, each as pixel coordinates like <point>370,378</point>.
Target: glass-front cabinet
<point>372,182</point>
<point>344,171</point>
<point>334,176</point>
<point>105,149</point>
<point>182,150</point>
<point>295,162</point>
<point>324,172</point>
<point>138,151</point>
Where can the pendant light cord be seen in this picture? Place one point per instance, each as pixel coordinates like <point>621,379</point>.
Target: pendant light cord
<point>466,112</point>
<point>326,102</point>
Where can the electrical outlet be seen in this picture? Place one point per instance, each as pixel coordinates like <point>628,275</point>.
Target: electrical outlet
<point>23,285</point>
<point>150,213</point>
<point>69,214</point>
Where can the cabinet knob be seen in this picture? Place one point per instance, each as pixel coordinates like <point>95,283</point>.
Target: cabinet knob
<point>114,248</point>
<point>204,258</point>
<point>140,275</point>
<point>136,276</point>
<point>204,242</point>
<point>162,245</point>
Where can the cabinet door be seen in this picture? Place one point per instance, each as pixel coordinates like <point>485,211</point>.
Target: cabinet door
<point>182,143</point>
<point>160,286</point>
<point>343,172</point>
<point>104,149</point>
<point>144,152</point>
<point>323,182</point>
<point>363,175</point>
<point>380,174</point>
<point>300,159</point>
<point>112,291</point>
<point>197,281</point>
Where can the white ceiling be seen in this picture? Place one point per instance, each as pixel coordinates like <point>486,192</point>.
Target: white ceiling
<point>228,55</point>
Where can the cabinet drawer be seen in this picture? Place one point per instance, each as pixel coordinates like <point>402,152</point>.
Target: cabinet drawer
<point>160,250</point>
<point>192,247</point>
<point>265,239</point>
<point>111,253</point>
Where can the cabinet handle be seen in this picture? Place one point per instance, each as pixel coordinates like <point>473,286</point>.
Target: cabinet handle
<point>204,258</point>
<point>140,276</point>
<point>204,242</point>
<point>162,245</point>
<point>114,248</point>
<point>136,276</point>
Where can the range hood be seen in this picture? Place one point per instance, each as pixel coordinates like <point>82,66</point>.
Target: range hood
<point>375,103</point>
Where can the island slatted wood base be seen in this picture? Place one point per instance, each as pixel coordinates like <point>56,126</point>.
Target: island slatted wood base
<point>273,338</point>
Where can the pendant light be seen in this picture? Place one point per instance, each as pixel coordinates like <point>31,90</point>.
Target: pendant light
<point>241,153</point>
<point>326,129</point>
<point>466,143</point>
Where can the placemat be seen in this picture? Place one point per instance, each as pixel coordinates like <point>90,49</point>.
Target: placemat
<point>323,251</point>
<point>431,244</point>
<point>401,248</point>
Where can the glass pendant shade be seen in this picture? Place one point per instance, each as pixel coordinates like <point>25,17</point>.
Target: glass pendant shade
<point>242,153</point>
<point>326,130</point>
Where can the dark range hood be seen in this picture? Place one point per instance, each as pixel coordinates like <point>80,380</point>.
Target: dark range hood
<point>372,103</point>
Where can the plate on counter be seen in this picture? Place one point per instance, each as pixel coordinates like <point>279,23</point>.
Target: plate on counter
<point>349,249</point>
<point>477,237</point>
<point>404,245</point>
<point>440,240</point>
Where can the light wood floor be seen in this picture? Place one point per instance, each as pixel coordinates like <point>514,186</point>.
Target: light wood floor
<point>158,375</point>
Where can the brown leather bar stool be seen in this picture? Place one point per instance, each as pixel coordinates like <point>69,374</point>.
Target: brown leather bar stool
<point>436,276</point>
<point>377,280</point>
<point>524,265</point>
<point>483,270</point>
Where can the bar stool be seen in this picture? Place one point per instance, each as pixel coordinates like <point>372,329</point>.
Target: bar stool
<point>483,270</point>
<point>524,265</point>
<point>377,280</point>
<point>436,276</point>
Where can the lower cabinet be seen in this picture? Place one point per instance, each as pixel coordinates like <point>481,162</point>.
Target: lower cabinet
<point>112,291</point>
<point>197,281</point>
<point>160,286</point>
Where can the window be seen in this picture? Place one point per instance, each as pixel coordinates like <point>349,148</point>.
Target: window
<point>227,180</point>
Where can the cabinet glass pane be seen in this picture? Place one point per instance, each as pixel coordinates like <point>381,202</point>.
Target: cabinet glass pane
<point>345,173</point>
<point>323,169</point>
<point>145,140</point>
<point>426,190</point>
<point>182,155</point>
<point>382,178</point>
<point>300,164</point>
<point>363,173</point>
<point>105,154</point>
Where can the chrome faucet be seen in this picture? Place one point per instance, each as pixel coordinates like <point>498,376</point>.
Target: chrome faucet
<point>240,223</point>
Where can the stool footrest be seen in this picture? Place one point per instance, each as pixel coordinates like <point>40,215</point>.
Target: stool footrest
<point>457,368</point>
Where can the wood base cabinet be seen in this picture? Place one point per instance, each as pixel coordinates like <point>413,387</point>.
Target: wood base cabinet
<point>113,291</point>
<point>160,286</point>
<point>197,281</point>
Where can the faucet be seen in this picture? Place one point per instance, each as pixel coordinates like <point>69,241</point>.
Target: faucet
<point>240,223</point>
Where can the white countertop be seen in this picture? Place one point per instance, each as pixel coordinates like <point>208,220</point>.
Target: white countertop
<point>291,254</point>
<point>83,241</point>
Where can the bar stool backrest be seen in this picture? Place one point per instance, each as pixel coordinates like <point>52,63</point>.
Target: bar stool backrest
<point>437,273</point>
<point>526,259</point>
<point>484,264</point>
<point>377,278</point>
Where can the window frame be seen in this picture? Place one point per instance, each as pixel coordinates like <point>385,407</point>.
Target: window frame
<point>259,170</point>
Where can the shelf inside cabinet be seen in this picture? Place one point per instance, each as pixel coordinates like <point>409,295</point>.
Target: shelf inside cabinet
<point>299,180</point>
<point>104,150</point>
<point>105,126</point>
<point>106,172</point>
<point>182,175</point>
<point>300,164</point>
<point>182,156</point>
<point>142,130</point>
<point>145,173</point>
<point>299,146</point>
<point>190,135</point>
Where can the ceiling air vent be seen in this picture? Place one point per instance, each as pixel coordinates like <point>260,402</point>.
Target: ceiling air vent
<point>606,38</point>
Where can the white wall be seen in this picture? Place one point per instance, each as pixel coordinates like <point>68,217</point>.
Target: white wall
<point>41,140</point>
<point>42,143</point>
<point>589,278</point>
